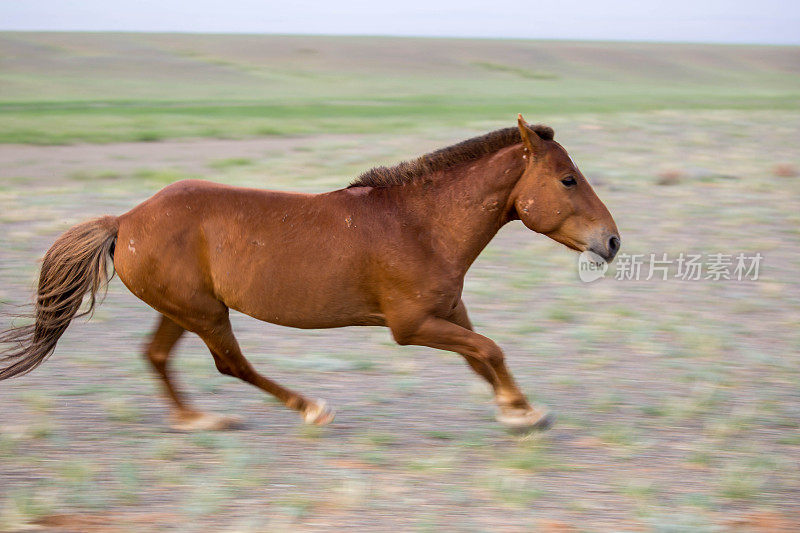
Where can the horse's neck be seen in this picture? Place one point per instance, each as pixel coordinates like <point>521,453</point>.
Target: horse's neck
<point>468,205</point>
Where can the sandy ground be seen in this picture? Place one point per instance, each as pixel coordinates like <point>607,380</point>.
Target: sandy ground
<point>190,156</point>
<point>677,401</point>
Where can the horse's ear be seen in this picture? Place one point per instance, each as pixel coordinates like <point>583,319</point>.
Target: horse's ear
<point>530,138</point>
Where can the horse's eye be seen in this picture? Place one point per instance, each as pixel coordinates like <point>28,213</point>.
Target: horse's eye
<point>569,181</point>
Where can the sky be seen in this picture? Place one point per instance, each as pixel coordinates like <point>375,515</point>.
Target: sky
<point>716,21</point>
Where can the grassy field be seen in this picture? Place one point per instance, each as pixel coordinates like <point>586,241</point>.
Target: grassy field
<point>678,402</point>
<point>63,87</point>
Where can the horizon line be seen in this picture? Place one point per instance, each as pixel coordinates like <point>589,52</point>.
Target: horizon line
<point>405,36</point>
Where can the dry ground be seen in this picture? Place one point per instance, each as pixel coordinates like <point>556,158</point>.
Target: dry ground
<point>677,401</point>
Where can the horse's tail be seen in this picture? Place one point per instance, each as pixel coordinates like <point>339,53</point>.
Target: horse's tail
<point>75,265</point>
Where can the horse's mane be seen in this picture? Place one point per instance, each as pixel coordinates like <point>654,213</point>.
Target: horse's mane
<point>446,158</point>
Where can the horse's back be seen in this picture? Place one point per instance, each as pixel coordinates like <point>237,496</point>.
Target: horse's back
<point>288,258</point>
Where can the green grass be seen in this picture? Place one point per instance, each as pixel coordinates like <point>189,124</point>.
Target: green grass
<point>34,123</point>
<point>227,87</point>
<point>231,162</point>
<point>521,72</point>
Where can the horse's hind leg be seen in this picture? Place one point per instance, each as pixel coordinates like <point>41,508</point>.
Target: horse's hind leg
<point>158,350</point>
<point>230,361</point>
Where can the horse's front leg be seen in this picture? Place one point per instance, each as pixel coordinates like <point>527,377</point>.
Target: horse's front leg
<point>485,357</point>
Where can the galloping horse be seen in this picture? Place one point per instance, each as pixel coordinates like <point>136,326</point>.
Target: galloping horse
<point>392,249</point>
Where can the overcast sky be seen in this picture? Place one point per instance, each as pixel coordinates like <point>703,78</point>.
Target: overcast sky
<point>726,21</point>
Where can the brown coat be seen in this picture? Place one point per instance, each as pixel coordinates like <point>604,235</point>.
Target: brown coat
<point>390,250</point>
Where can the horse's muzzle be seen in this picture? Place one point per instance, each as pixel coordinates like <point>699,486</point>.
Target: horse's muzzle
<point>608,247</point>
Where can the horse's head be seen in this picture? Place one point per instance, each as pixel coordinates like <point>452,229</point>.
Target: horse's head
<point>553,198</point>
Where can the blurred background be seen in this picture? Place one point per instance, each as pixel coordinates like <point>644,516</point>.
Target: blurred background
<point>677,401</point>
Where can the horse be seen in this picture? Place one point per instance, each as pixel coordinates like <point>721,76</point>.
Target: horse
<point>391,249</point>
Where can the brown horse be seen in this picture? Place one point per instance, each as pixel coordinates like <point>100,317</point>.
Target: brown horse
<point>392,250</point>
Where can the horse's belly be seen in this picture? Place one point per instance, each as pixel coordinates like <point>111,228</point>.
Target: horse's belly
<point>309,320</point>
<point>301,298</point>
<point>310,315</point>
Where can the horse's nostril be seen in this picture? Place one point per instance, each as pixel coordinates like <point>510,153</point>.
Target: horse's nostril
<point>613,244</point>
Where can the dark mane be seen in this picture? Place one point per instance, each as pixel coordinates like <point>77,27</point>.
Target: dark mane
<point>446,158</point>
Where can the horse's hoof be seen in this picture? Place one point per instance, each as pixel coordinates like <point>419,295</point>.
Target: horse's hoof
<point>204,422</point>
<point>530,420</point>
<point>318,414</point>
